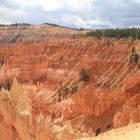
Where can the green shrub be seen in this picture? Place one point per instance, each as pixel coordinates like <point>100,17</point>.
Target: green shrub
<point>7,86</point>
<point>65,92</point>
<point>98,131</point>
<point>134,56</point>
<point>99,84</point>
<point>83,75</point>
<point>74,89</point>
<point>1,61</point>
<point>109,126</point>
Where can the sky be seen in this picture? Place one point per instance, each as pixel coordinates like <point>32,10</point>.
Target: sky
<point>72,13</point>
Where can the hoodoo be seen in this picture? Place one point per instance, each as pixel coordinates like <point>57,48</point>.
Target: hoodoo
<point>58,83</point>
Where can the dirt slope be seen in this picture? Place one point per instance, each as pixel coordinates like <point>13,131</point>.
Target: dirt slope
<point>131,132</point>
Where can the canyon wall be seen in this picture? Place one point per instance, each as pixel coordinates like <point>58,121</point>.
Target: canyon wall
<point>46,97</point>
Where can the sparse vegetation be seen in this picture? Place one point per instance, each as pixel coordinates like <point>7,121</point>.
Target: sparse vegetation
<point>98,131</point>
<point>99,84</point>
<point>20,24</point>
<point>65,92</point>
<point>83,75</point>
<point>108,126</point>
<point>74,89</point>
<point>56,25</point>
<point>6,85</point>
<point>14,39</point>
<point>1,62</point>
<point>134,56</point>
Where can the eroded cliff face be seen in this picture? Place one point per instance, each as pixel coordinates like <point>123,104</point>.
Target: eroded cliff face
<point>46,98</point>
<point>30,34</point>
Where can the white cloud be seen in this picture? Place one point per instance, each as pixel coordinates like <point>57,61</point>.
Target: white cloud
<point>77,13</point>
<point>50,5</point>
<point>137,1</point>
<point>47,5</point>
<point>77,5</point>
<point>79,22</point>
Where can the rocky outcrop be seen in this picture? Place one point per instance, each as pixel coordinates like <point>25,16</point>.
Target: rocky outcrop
<point>18,123</point>
<point>31,34</point>
<point>47,99</point>
<point>130,112</point>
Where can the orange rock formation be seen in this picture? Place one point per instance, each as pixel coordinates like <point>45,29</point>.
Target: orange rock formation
<point>47,99</point>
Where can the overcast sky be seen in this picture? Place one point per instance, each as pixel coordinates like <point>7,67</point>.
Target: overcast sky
<point>73,13</point>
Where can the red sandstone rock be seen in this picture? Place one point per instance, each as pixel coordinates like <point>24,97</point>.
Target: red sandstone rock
<point>33,110</point>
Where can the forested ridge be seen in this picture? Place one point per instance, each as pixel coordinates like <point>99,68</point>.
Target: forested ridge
<point>133,33</point>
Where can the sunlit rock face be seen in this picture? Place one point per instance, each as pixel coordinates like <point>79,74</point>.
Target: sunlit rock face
<point>48,100</point>
<point>26,64</point>
<point>130,111</point>
<point>132,85</point>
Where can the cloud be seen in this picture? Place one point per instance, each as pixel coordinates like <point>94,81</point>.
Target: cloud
<point>8,4</point>
<point>73,13</point>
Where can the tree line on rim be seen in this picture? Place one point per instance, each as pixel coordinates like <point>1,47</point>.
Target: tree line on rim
<point>133,33</point>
